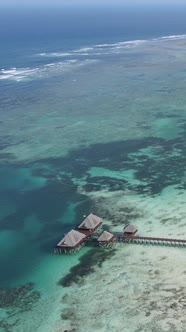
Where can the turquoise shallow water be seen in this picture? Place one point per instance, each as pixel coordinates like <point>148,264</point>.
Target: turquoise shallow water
<point>105,136</point>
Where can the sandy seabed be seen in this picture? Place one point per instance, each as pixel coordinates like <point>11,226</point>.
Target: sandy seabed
<point>117,128</point>
<point>141,287</point>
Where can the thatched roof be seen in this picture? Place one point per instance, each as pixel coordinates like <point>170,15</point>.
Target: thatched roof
<point>90,222</point>
<point>105,236</point>
<point>130,229</point>
<point>71,239</point>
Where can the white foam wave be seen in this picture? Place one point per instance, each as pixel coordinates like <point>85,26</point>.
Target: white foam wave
<point>65,54</point>
<point>102,45</point>
<point>173,37</point>
<point>105,48</point>
<point>122,43</point>
<point>17,74</point>
<point>95,50</point>
<point>55,54</point>
<point>84,49</point>
<point>9,71</point>
<point>78,57</point>
<point>50,69</point>
<point>4,77</point>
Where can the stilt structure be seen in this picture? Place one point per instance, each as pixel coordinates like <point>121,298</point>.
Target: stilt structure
<point>71,242</point>
<point>130,230</point>
<point>106,240</point>
<point>87,232</point>
<point>90,223</point>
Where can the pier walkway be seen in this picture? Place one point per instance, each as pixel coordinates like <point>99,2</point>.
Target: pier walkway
<point>87,231</point>
<point>151,240</point>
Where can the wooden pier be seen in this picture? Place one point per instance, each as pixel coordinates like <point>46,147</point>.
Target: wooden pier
<point>87,231</point>
<point>151,240</point>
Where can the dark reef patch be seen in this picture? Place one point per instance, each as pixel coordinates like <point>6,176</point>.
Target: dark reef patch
<point>155,164</point>
<point>104,182</point>
<point>163,168</point>
<point>125,214</point>
<point>21,297</point>
<point>6,158</point>
<point>87,263</point>
<point>114,155</point>
<point>15,301</point>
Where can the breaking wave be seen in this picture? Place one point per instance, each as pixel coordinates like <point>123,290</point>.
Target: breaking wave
<point>95,50</point>
<point>109,48</point>
<point>44,71</point>
<point>173,37</point>
<point>79,57</point>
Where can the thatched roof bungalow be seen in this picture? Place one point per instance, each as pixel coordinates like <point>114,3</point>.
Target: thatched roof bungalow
<point>91,223</point>
<point>130,230</point>
<point>106,239</point>
<point>71,240</point>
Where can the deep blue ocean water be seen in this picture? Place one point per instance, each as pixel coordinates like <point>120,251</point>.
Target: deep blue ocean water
<point>39,197</point>
<point>26,31</point>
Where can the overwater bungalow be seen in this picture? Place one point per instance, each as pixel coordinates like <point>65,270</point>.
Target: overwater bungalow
<point>106,239</point>
<point>90,223</point>
<point>75,239</point>
<point>130,230</point>
<point>72,241</point>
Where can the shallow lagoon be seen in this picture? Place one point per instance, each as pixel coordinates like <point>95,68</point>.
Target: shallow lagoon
<point>109,138</point>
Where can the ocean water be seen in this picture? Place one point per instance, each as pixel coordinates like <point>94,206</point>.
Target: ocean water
<point>93,119</point>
